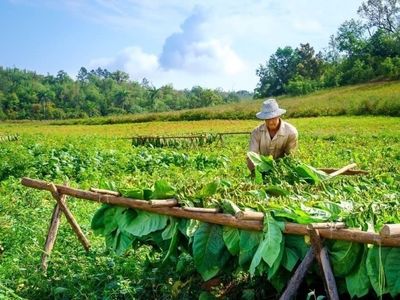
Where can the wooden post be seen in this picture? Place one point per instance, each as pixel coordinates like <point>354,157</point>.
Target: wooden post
<point>106,192</point>
<point>201,209</point>
<point>52,234</point>
<point>70,218</point>
<point>298,276</point>
<point>321,254</point>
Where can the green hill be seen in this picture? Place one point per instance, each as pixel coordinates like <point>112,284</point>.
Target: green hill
<point>380,98</point>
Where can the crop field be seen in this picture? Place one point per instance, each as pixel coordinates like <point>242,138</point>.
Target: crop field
<point>169,258</point>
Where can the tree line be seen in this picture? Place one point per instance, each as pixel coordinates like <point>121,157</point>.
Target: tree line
<point>27,95</point>
<point>361,50</point>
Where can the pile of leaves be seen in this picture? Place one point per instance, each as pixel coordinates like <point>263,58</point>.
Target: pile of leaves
<point>177,142</point>
<point>215,250</point>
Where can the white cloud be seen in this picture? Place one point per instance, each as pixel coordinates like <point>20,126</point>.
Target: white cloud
<point>188,58</point>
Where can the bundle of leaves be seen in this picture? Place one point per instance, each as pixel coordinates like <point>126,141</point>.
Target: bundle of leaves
<point>178,142</point>
<point>215,250</point>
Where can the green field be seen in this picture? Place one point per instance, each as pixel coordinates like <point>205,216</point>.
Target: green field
<point>98,156</point>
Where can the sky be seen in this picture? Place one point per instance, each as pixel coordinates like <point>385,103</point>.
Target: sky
<point>210,43</point>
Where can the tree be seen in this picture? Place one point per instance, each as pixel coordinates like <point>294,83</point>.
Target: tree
<point>350,38</point>
<point>309,65</point>
<point>277,72</point>
<point>381,14</point>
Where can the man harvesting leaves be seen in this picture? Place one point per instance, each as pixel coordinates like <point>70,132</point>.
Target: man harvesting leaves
<point>274,137</point>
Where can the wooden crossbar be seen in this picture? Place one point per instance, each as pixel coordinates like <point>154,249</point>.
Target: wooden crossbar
<point>329,232</point>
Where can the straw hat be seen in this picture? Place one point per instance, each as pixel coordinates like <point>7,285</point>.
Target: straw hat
<point>269,110</point>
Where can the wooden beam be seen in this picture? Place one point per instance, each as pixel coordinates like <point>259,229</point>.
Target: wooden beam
<point>202,209</point>
<point>348,172</point>
<point>342,170</point>
<point>164,203</point>
<point>107,192</point>
<point>52,234</point>
<point>250,215</point>
<point>298,276</point>
<point>70,218</point>
<point>321,254</point>
<point>351,235</point>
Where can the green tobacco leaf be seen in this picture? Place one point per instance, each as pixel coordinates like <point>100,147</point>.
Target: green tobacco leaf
<point>132,193</point>
<point>270,247</point>
<point>169,231</point>
<point>209,189</point>
<point>275,267</point>
<point>392,271</point>
<point>174,243</point>
<point>297,244</point>
<point>357,281</point>
<point>289,259</point>
<point>209,251</point>
<point>188,227</point>
<point>162,190</point>
<point>375,268</point>
<point>262,163</point>
<point>276,191</point>
<point>249,241</point>
<point>344,256</point>
<point>231,238</point>
<point>146,223</point>
<point>125,218</point>
<point>306,173</point>
<point>97,223</point>
<point>111,217</point>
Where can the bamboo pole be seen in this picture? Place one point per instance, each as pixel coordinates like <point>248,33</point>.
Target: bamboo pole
<point>163,203</point>
<point>390,230</point>
<point>351,235</point>
<point>298,276</point>
<point>348,172</point>
<point>250,215</point>
<point>52,234</point>
<point>69,216</point>
<point>107,192</point>
<point>342,170</point>
<point>201,209</point>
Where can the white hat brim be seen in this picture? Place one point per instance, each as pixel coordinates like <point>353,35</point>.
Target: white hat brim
<point>270,115</point>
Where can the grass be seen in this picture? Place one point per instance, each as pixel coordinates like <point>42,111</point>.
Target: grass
<point>379,98</point>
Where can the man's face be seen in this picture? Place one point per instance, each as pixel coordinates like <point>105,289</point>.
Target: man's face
<point>272,124</point>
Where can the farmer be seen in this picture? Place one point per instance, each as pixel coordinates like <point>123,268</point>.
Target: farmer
<point>274,137</point>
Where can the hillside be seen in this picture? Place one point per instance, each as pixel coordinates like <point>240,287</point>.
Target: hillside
<point>380,98</point>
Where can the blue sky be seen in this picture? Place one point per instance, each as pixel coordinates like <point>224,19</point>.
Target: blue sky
<point>211,43</point>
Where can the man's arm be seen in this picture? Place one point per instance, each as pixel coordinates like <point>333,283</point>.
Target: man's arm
<point>291,144</point>
<point>254,147</point>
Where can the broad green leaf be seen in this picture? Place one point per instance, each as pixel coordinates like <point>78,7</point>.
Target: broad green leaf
<point>126,218</point>
<point>275,267</point>
<point>132,193</point>
<point>289,259</point>
<point>276,191</point>
<point>344,256</point>
<point>188,227</point>
<point>162,190</point>
<point>209,189</point>
<point>145,223</point>
<point>111,217</point>
<point>375,269</point>
<point>297,244</point>
<point>392,271</point>
<point>306,173</point>
<point>357,281</point>
<point>209,251</point>
<point>270,247</point>
<point>262,163</point>
<point>231,238</point>
<point>272,240</point>
<point>124,242</point>
<point>97,223</point>
<point>169,231</point>
<point>174,243</point>
<point>249,241</point>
